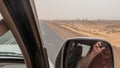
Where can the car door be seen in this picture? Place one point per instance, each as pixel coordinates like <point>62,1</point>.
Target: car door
<point>20,17</point>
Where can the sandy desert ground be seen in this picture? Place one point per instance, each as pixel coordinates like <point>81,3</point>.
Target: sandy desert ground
<point>109,30</point>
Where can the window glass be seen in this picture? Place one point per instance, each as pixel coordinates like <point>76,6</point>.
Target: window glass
<point>9,49</point>
<point>63,19</point>
<point>8,43</point>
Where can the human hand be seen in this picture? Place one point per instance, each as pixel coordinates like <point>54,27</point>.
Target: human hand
<point>98,48</point>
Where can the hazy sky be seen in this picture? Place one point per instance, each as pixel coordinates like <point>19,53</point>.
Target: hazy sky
<point>78,9</point>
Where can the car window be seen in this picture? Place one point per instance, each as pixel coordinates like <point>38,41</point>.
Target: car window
<point>7,40</point>
<point>10,53</point>
<point>63,19</point>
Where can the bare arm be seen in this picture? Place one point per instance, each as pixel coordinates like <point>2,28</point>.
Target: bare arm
<point>85,61</point>
<point>3,27</point>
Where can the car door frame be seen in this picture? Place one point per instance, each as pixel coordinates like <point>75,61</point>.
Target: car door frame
<point>21,18</point>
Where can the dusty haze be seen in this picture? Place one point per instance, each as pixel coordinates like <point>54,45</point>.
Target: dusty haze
<point>78,9</point>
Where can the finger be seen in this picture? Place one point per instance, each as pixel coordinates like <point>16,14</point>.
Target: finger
<point>96,45</point>
<point>103,48</point>
<point>100,44</point>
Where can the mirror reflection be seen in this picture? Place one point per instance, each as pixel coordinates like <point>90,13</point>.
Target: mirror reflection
<point>88,54</point>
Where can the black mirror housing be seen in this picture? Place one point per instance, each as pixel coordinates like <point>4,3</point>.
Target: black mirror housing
<point>80,52</point>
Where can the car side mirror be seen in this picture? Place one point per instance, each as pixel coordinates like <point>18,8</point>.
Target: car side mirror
<point>85,53</point>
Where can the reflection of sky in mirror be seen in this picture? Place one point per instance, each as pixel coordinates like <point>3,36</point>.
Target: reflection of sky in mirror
<point>1,16</point>
<point>78,9</point>
<point>85,49</point>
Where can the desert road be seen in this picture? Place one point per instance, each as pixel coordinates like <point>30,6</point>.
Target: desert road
<point>51,41</point>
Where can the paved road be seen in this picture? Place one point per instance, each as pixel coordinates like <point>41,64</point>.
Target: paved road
<point>51,40</point>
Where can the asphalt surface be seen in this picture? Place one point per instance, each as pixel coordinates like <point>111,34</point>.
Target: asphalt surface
<point>51,40</point>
